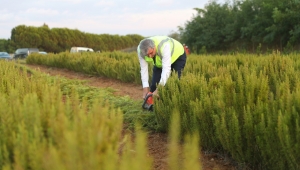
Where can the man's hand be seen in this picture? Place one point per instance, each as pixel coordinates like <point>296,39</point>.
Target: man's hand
<point>155,93</point>
<point>145,91</point>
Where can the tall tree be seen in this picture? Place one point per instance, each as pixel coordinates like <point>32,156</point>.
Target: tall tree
<point>210,28</point>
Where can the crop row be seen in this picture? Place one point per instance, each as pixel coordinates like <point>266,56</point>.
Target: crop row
<point>43,127</point>
<point>245,105</point>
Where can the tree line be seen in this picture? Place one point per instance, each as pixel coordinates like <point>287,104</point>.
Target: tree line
<point>237,25</point>
<point>57,40</point>
<point>244,25</point>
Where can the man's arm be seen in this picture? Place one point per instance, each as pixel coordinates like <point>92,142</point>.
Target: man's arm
<point>144,75</point>
<point>166,64</point>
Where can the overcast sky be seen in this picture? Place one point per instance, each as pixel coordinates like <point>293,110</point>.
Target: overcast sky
<point>122,17</point>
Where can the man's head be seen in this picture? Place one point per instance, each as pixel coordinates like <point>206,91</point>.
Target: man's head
<point>147,48</point>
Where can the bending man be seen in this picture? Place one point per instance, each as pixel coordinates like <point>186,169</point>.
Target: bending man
<point>166,54</point>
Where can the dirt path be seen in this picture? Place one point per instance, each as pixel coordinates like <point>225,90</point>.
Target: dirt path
<point>157,142</point>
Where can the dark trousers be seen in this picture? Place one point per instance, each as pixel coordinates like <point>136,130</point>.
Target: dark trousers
<point>178,66</point>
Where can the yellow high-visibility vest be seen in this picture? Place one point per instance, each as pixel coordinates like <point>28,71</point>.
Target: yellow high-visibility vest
<point>160,41</point>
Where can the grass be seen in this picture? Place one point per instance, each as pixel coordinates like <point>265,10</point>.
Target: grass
<point>131,109</point>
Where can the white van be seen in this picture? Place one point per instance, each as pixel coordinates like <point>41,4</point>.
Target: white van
<point>81,49</point>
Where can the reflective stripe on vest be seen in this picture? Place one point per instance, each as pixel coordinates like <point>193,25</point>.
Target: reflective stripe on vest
<point>161,44</point>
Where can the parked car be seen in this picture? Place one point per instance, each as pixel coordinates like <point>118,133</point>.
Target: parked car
<point>22,53</point>
<point>43,52</point>
<point>5,55</point>
<point>81,49</point>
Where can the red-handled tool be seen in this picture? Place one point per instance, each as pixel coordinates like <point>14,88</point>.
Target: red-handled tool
<point>148,102</point>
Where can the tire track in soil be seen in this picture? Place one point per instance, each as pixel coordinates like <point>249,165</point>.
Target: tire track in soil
<point>157,142</point>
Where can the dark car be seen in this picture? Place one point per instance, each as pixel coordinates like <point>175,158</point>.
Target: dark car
<point>5,55</point>
<point>22,53</point>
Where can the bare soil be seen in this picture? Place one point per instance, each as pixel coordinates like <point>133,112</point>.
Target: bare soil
<point>157,142</point>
